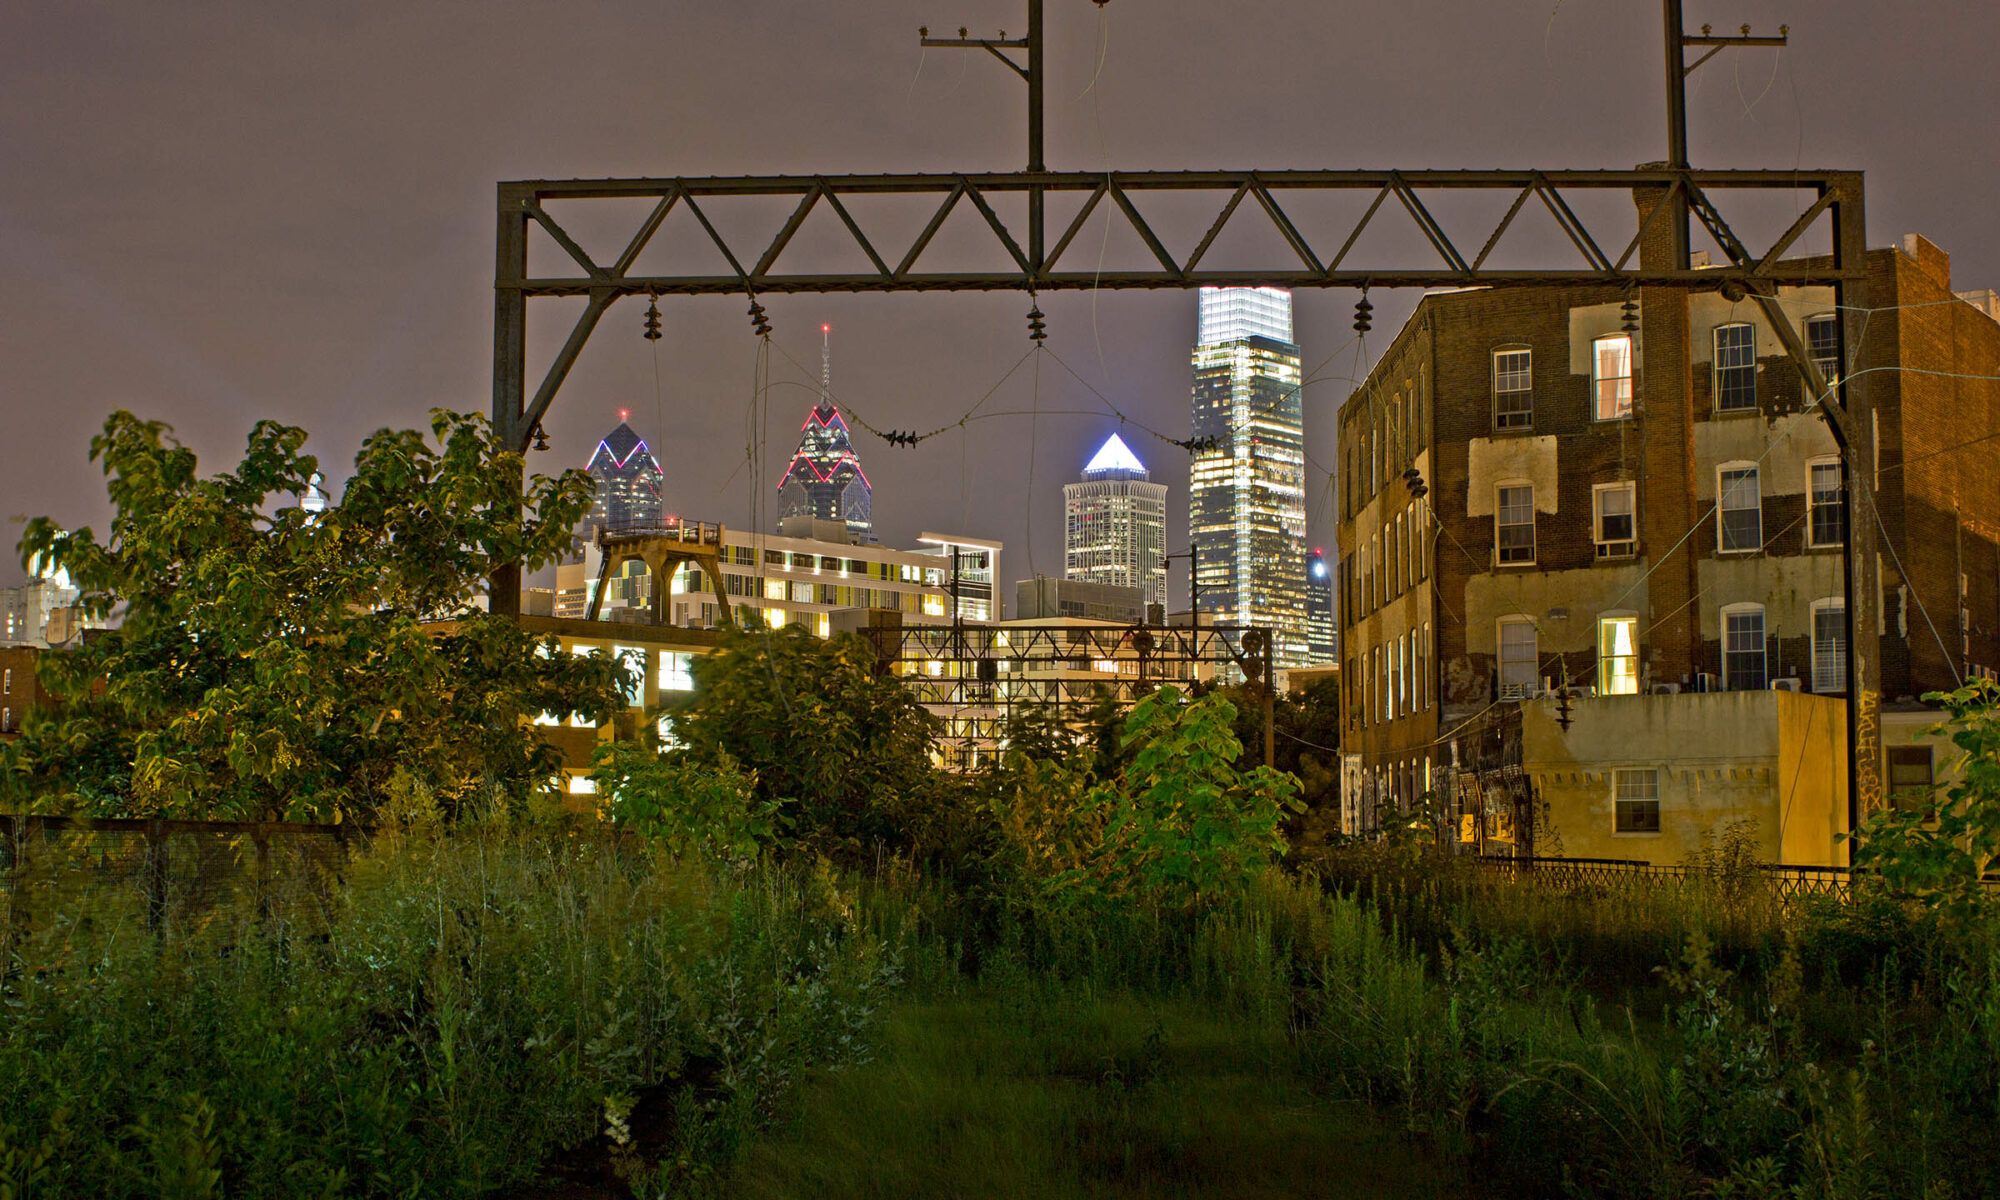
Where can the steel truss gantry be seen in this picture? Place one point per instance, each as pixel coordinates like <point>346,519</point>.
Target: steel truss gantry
<point>1033,263</point>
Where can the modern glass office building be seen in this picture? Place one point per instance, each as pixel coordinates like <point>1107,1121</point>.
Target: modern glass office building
<point>1115,524</point>
<point>1246,495</point>
<point>628,483</point>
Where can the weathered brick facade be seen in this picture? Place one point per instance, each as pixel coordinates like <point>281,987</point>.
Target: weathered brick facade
<point>1434,403</point>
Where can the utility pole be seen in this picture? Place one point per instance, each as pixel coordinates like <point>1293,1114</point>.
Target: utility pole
<point>1678,69</point>
<point>1194,586</point>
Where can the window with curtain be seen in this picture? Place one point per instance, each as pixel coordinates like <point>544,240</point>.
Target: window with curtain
<point>1616,528</point>
<point>1514,524</point>
<point>1735,368</point>
<point>1513,393</point>
<point>1743,650</point>
<point>1611,374</point>
<point>1518,659</point>
<point>1618,656</point>
<point>1739,510</point>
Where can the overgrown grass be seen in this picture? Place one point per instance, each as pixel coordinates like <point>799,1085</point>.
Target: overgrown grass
<point>471,1004</point>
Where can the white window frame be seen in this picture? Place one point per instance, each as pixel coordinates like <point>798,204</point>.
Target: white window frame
<point>1813,504</point>
<point>1828,364</point>
<point>1757,477</point>
<point>1516,690</point>
<point>1763,644</point>
<point>1524,418</point>
<point>1614,547</point>
<point>1621,394</point>
<point>1622,775</point>
<point>1605,680</point>
<point>1716,367</point>
<point>1821,681</point>
<point>1499,491</point>
<point>1395,704</point>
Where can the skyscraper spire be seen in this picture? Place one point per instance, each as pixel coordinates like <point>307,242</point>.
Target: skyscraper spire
<point>826,365</point>
<point>824,479</point>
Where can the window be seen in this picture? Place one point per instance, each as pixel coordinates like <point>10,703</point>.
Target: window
<point>1611,375</point>
<point>1513,395</point>
<point>1518,657</point>
<point>676,672</point>
<point>578,720</point>
<point>775,589</point>
<point>9,688</point>
<point>1823,346</point>
<point>774,558</point>
<point>1829,645</point>
<point>1743,648</point>
<point>1514,524</point>
<point>633,661</point>
<point>1735,368</point>
<point>1617,535</point>
<point>804,562</point>
<point>1827,525</point>
<point>1423,668</point>
<point>6,720</point>
<point>1394,707</point>
<point>1636,799</point>
<point>1912,778</point>
<point>1618,656</point>
<point>1739,510</point>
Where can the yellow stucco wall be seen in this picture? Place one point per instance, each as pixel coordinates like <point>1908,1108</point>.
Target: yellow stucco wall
<point>1776,759</point>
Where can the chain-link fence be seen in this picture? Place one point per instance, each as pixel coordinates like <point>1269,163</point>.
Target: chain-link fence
<point>165,872</point>
<point>1789,885</point>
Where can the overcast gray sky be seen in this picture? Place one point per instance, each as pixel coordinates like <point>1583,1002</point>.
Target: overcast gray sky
<point>213,213</point>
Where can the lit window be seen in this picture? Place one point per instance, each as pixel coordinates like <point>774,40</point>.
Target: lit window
<point>1618,656</point>
<point>775,589</point>
<point>578,720</point>
<point>1514,524</point>
<point>1828,524</point>
<point>1735,368</point>
<point>1616,534</point>
<point>1823,346</point>
<point>802,593</point>
<point>1636,797</point>
<point>1611,375</point>
<point>1518,659</point>
<point>774,617</point>
<point>1912,777</point>
<point>1829,645</point>
<point>1739,510</point>
<point>933,606</point>
<point>582,785</point>
<point>633,659</point>
<point>676,672</point>
<point>1743,649</point>
<point>1513,394</point>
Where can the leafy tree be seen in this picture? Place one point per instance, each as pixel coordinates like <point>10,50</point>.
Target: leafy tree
<point>1936,852</point>
<point>811,718</point>
<point>682,807</point>
<point>1181,822</point>
<point>275,663</point>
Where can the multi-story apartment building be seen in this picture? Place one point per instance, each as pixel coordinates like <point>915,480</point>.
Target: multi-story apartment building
<point>1246,494</point>
<point>1631,495</point>
<point>1115,524</point>
<point>806,572</point>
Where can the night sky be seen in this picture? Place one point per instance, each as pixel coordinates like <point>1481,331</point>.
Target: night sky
<point>217,213</point>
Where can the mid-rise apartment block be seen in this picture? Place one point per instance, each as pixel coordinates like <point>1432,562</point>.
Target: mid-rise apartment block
<point>1632,496</point>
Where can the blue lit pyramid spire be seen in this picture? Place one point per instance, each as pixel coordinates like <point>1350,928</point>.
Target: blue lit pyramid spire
<point>824,479</point>
<point>1114,460</point>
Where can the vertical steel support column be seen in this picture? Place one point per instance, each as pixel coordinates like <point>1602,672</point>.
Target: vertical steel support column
<point>1863,597</point>
<point>1677,125</point>
<point>510,363</point>
<point>1037,247</point>
<point>1270,704</point>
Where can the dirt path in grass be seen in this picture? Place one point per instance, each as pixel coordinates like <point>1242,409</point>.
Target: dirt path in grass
<point>990,1095</point>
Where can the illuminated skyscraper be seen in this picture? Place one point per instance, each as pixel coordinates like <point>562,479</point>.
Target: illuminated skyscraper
<point>628,483</point>
<point>824,479</point>
<point>1322,634</point>
<point>1246,497</point>
<point>1115,524</point>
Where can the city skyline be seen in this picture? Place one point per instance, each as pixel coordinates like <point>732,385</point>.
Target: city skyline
<point>345,283</point>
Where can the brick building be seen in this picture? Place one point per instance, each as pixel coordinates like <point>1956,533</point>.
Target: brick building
<point>21,690</point>
<point>1629,494</point>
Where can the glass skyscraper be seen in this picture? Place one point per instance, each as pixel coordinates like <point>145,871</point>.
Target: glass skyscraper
<point>1323,633</point>
<point>628,483</point>
<point>1246,497</point>
<point>824,478</point>
<point>1115,524</point>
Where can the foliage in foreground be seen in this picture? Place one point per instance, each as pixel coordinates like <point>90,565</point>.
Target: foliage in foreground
<point>275,663</point>
<point>1936,852</point>
<point>467,1006</point>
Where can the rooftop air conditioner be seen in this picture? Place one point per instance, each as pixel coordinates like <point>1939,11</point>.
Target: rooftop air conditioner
<point>1785,685</point>
<point>1704,681</point>
<point>1666,689</point>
